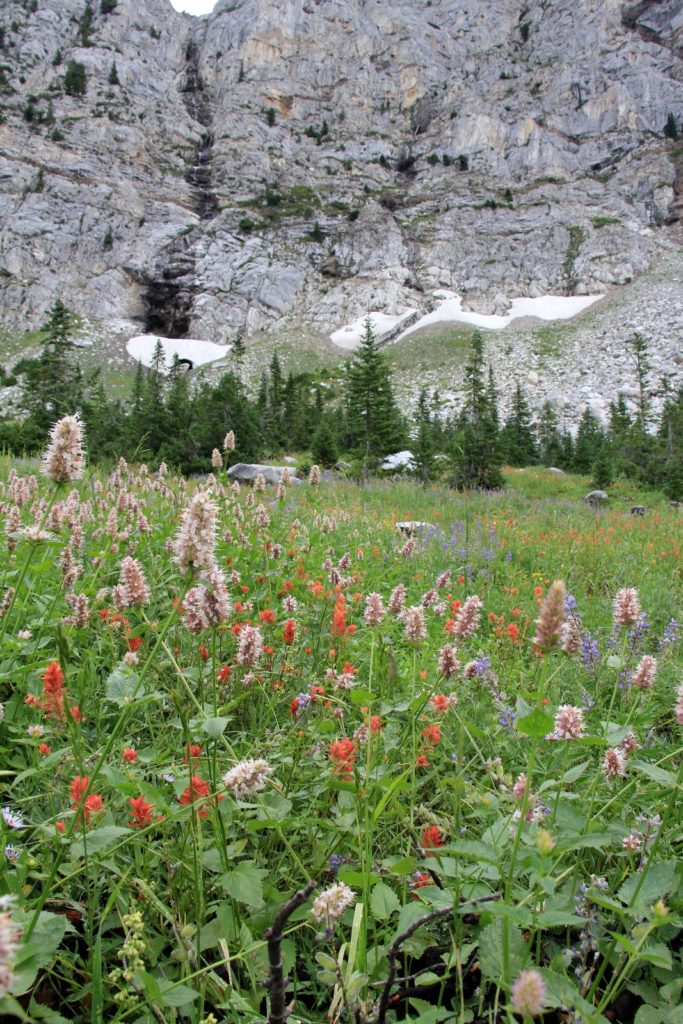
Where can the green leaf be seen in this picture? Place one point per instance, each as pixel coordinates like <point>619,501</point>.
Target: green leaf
<point>655,773</point>
<point>572,774</point>
<point>383,902</point>
<point>96,841</point>
<point>537,725</point>
<point>39,952</point>
<point>122,687</point>
<point>491,958</point>
<point>215,727</point>
<point>657,953</point>
<point>649,1015</point>
<point>245,883</point>
<point>359,696</point>
<point>176,995</point>
<point>652,884</point>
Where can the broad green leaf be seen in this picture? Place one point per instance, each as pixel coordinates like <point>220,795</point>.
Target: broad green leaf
<point>383,902</point>
<point>215,727</point>
<point>491,958</point>
<point>536,726</point>
<point>98,840</point>
<point>245,883</point>
<point>176,995</point>
<point>122,687</point>
<point>655,773</point>
<point>651,883</point>
<point>650,1015</point>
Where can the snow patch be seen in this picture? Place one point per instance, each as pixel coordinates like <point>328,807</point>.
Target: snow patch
<point>545,307</point>
<point>383,324</point>
<point>142,347</point>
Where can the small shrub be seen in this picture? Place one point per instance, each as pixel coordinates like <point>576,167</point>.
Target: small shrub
<point>463,162</point>
<point>113,78</point>
<point>433,159</point>
<point>270,116</point>
<point>75,79</point>
<point>246,224</point>
<point>107,6</point>
<point>671,128</point>
<point>108,240</point>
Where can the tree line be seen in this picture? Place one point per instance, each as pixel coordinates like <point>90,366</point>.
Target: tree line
<point>172,417</point>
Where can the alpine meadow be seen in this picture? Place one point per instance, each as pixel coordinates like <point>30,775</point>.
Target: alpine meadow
<point>341,512</point>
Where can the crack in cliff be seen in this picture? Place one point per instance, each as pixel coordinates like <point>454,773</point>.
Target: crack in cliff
<point>170,288</point>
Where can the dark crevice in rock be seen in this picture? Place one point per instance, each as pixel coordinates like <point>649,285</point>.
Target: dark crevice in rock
<point>198,174</point>
<point>168,294</point>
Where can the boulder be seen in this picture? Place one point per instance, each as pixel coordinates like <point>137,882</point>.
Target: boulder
<point>245,472</point>
<point>416,528</point>
<point>638,510</point>
<point>596,498</point>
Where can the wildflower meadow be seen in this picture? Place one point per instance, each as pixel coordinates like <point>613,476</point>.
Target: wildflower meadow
<point>267,757</point>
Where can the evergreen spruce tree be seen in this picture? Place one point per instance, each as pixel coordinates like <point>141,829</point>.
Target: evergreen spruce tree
<point>518,436</point>
<point>423,449</point>
<point>238,353</point>
<point>476,448</point>
<point>373,423</point>
<point>589,440</point>
<point>549,437</point>
<point>51,382</point>
<point>324,451</point>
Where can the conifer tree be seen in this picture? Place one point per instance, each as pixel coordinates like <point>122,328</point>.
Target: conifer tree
<point>374,424</point>
<point>476,448</point>
<point>549,437</point>
<point>518,436</point>
<point>589,441</point>
<point>424,447</point>
<point>323,447</point>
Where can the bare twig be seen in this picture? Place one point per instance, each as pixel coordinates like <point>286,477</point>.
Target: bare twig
<point>395,947</point>
<point>277,982</point>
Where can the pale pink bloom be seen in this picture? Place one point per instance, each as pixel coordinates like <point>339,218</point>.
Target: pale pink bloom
<point>569,723</point>
<point>519,788</point>
<point>626,607</point>
<point>196,541</point>
<point>397,599</point>
<point>229,442</point>
<point>374,609</point>
<point>314,475</point>
<point>448,662</point>
<point>132,587</point>
<point>551,617</point>
<point>415,628</point>
<point>443,579</point>
<point>629,744</point>
<point>9,946</point>
<point>7,599</point>
<point>528,994</point>
<point>429,598</point>
<point>81,611</point>
<point>250,646</point>
<point>467,619</point>
<point>131,658</point>
<point>646,670</point>
<point>470,670</point>
<point>614,763</point>
<point>408,548</point>
<point>678,707</point>
<point>632,842</point>
<point>570,638</point>
<point>64,457</point>
<point>216,459</point>
<point>247,777</point>
<point>329,906</point>
<point>204,607</point>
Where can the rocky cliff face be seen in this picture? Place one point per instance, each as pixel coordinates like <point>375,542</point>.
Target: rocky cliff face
<point>303,162</point>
